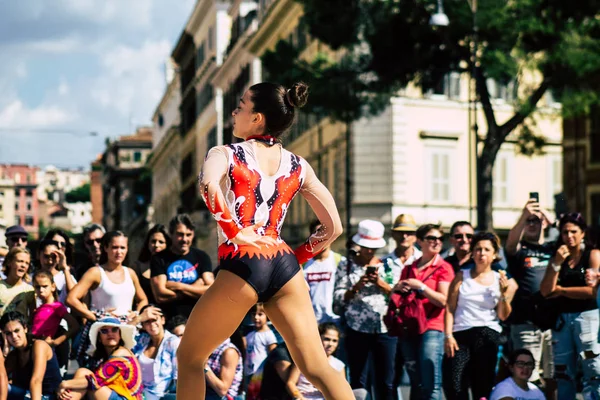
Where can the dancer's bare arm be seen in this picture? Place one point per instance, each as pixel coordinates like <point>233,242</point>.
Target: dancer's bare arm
<point>323,204</point>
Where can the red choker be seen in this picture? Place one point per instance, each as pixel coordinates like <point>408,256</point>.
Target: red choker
<point>266,139</point>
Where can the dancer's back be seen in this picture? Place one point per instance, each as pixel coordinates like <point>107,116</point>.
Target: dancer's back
<point>258,186</point>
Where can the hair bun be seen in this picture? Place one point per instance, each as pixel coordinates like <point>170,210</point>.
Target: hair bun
<point>297,95</point>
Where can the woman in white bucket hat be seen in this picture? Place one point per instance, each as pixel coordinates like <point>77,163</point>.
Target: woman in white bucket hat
<point>361,297</point>
<point>118,376</point>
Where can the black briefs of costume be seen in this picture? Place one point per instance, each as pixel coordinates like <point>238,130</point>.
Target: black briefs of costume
<point>265,275</point>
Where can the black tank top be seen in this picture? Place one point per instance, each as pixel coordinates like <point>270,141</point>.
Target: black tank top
<point>575,277</point>
<point>52,377</point>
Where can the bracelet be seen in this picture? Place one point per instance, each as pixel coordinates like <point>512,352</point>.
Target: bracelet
<point>449,336</point>
<point>555,267</point>
<point>503,298</point>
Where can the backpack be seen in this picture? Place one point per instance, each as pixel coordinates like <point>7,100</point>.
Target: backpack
<point>406,315</point>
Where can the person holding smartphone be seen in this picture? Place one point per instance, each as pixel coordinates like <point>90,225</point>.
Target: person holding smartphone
<point>363,284</point>
<point>528,257</point>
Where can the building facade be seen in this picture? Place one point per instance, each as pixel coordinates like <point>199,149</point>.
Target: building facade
<point>126,185</point>
<point>54,183</point>
<point>417,156</point>
<point>165,162</point>
<point>7,207</point>
<point>26,206</point>
<point>582,166</point>
<point>96,196</point>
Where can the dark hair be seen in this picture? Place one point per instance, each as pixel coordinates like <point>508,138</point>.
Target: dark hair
<point>329,326</point>
<point>45,243</point>
<point>13,316</point>
<point>91,228</point>
<point>278,104</point>
<point>16,317</point>
<point>47,275</point>
<point>255,307</point>
<point>492,237</point>
<point>175,322</point>
<point>145,251</point>
<point>458,224</point>
<point>100,354</point>
<point>106,239</point>
<point>68,245</point>
<point>576,219</point>
<point>314,225</point>
<point>423,229</point>
<point>181,219</point>
<point>512,358</point>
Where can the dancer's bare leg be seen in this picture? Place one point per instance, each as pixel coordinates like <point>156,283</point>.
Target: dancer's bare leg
<point>291,312</point>
<point>215,317</point>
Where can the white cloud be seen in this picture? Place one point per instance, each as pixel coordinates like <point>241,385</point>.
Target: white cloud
<point>16,114</point>
<point>63,88</point>
<point>52,46</point>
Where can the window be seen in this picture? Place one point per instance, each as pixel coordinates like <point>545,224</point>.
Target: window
<point>137,156</point>
<point>204,99</point>
<point>502,91</point>
<point>17,220</point>
<point>28,178</point>
<point>29,193</point>
<point>211,38</point>
<point>502,175</point>
<point>161,120</point>
<point>187,166</point>
<point>555,177</point>
<point>28,206</point>
<point>16,206</point>
<point>1,193</point>
<point>595,208</point>
<point>448,86</point>
<point>1,206</point>
<point>28,220</point>
<point>211,139</point>
<point>200,56</point>
<point>438,174</point>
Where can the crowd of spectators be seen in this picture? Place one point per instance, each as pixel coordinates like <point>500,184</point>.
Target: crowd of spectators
<point>513,322</point>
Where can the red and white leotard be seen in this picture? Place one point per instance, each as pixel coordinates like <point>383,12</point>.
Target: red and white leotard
<point>239,194</point>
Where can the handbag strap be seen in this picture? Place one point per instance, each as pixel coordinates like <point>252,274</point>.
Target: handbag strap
<point>432,272</point>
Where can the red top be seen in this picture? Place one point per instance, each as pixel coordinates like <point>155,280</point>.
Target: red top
<point>444,273</point>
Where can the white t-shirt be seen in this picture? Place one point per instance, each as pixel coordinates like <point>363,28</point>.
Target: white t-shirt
<point>308,390</point>
<point>257,349</point>
<point>508,388</point>
<point>320,275</point>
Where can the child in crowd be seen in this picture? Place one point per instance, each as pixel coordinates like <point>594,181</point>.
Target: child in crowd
<point>259,342</point>
<point>299,387</point>
<point>517,386</point>
<point>47,314</point>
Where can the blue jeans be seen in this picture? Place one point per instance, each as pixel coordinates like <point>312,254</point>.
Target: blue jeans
<point>423,357</point>
<point>577,341</point>
<point>382,348</point>
<point>17,393</point>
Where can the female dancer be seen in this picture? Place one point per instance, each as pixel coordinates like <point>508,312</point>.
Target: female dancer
<point>248,187</point>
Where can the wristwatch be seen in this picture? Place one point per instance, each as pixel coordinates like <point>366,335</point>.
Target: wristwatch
<point>555,267</point>
<point>422,288</point>
<point>206,369</point>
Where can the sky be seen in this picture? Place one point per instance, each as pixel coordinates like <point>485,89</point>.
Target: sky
<point>70,68</point>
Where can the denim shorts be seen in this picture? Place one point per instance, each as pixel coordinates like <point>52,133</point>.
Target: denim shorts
<point>116,396</point>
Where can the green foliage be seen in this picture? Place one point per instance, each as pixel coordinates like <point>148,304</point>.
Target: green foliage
<point>82,194</point>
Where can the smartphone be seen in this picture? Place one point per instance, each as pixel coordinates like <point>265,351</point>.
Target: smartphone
<point>371,270</point>
<point>535,196</point>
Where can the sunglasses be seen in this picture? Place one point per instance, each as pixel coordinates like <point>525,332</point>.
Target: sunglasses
<point>90,242</point>
<point>432,238</point>
<point>458,236</point>
<point>106,331</point>
<point>524,364</point>
<point>17,239</point>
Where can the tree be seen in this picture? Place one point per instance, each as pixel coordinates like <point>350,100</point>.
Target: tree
<point>539,45</point>
<point>82,194</point>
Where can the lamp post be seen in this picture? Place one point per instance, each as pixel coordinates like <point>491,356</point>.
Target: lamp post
<point>441,19</point>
